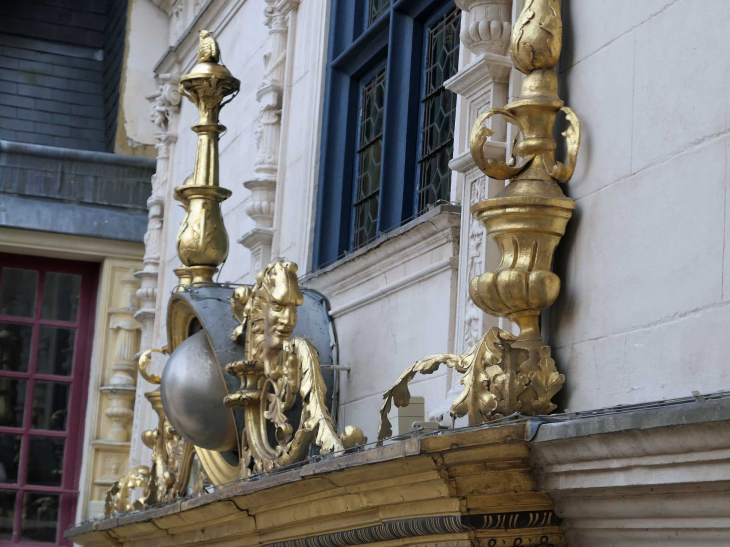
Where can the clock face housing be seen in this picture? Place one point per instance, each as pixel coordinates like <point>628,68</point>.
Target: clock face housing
<point>200,323</point>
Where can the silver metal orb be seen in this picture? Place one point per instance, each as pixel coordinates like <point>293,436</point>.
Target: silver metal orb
<point>192,391</point>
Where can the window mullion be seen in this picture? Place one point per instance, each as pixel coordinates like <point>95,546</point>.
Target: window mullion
<point>401,122</point>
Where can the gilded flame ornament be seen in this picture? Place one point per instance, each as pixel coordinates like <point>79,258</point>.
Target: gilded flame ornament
<point>505,374</point>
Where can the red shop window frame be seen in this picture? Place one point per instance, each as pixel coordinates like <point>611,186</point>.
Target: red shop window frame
<point>79,379</point>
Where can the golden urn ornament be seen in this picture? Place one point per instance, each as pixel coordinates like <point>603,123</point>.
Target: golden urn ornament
<point>505,374</point>
<point>527,218</point>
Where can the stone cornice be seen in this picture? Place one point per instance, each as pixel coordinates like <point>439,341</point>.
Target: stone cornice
<point>422,234</point>
<point>443,489</point>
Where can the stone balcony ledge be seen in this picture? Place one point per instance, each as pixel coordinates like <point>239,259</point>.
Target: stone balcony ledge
<point>452,483</point>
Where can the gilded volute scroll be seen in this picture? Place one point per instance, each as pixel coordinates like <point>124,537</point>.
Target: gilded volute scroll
<point>504,374</point>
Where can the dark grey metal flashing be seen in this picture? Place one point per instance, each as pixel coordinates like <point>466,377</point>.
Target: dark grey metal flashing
<point>699,412</point>
<point>74,192</point>
<point>53,152</point>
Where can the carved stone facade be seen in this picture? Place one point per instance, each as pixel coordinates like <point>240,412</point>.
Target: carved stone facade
<point>181,13</point>
<point>260,205</point>
<point>121,386</point>
<point>164,113</point>
<point>112,384</point>
<point>482,83</point>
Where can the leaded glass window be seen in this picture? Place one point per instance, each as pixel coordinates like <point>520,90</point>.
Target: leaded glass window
<point>369,158</point>
<point>439,106</point>
<point>376,8</point>
<point>378,171</point>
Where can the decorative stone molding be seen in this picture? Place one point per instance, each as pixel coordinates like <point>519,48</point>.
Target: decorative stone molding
<point>489,27</point>
<point>112,384</point>
<point>164,113</point>
<point>181,13</point>
<point>653,477</point>
<point>260,205</point>
<point>482,82</point>
<point>121,387</point>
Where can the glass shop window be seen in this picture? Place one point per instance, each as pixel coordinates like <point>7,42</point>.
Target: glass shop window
<point>388,129</point>
<point>46,317</point>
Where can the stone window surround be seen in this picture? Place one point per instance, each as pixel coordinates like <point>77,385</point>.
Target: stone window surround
<point>414,239</point>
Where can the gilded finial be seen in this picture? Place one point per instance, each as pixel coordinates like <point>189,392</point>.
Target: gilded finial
<point>208,50</point>
<point>202,242</point>
<point>538,36</point>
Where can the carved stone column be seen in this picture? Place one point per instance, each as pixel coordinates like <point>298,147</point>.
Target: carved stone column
<point>164,112</point>
<point>121,387</point>
<point>260,204</point>
<point>482,83</point>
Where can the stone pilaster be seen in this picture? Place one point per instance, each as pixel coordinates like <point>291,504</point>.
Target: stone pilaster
<point>482,82</point>
<point>121,387</point>
<point>260,205</point>
<point>164,112</point>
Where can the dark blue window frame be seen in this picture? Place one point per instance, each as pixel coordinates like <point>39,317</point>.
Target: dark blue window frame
<point>355,50</point>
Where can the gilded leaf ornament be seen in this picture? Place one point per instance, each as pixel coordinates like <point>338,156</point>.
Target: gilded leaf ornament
<point>492,380</point>
<point>546,382</point>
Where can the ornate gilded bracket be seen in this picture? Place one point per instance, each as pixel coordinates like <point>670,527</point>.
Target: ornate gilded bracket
<point>172,457</point>
<point>499,380</point>
<point>276,371</point>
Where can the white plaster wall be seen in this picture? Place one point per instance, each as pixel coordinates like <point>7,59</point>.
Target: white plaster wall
<point>301,127</point>
<point>146,29</point>
<point>643,312</point>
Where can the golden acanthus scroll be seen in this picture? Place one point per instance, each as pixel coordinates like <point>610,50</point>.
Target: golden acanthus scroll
<point>504,374</point>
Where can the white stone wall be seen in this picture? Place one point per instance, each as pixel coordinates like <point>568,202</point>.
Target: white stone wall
<point>643,312</point>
